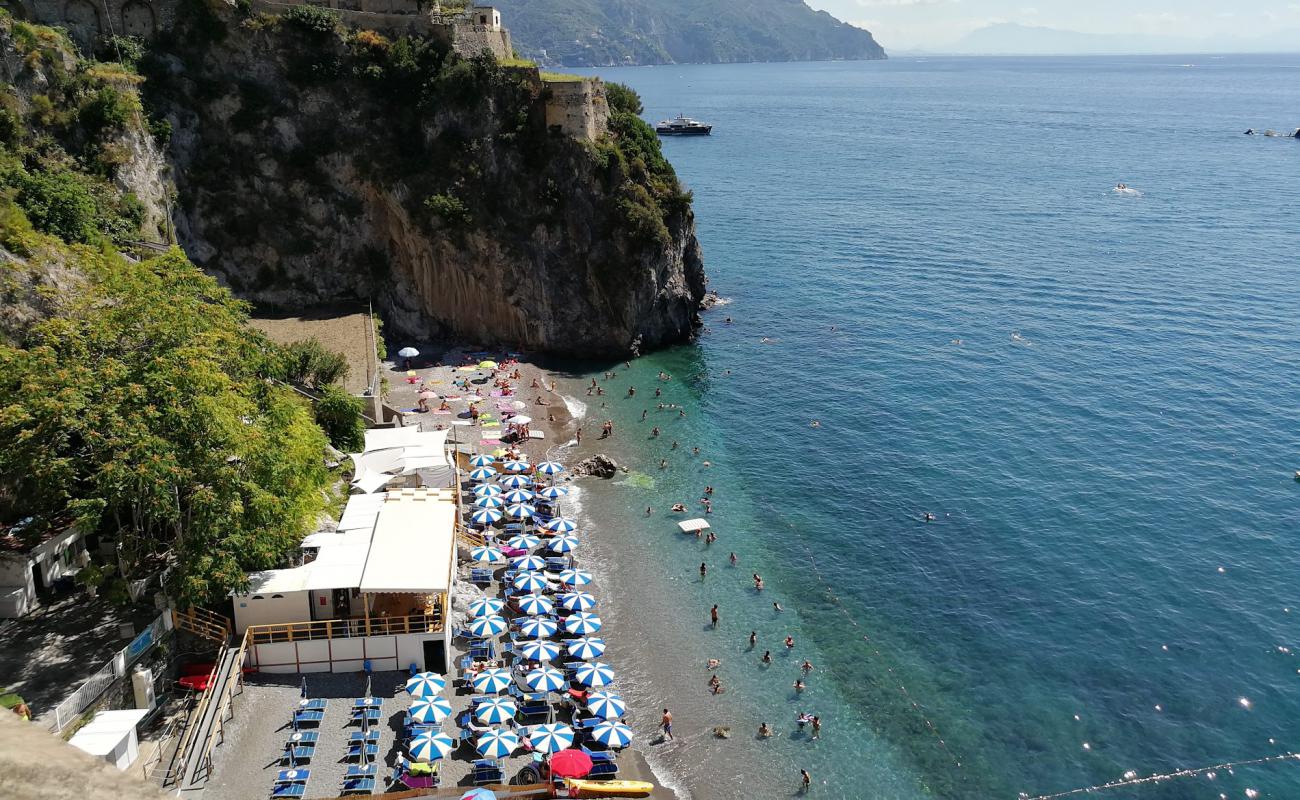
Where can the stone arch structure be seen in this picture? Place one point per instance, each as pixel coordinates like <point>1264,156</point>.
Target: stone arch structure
<point>138,19</point>
<point>83,23</point>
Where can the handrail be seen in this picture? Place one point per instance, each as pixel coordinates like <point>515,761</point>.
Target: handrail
<point>196,719</point>
<point>235,678</point>
<point>347,628</point>
<point>201,622</point>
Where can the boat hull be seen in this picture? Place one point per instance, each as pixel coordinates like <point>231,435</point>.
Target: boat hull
<point>580,788</point>
<point>705,131</point>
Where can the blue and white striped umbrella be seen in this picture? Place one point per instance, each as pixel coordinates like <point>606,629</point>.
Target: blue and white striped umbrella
<point>575,577</point>
<point>612,734</point>
<point>595,674</point>
<point>485,489</point>
<point>486,516</point>
<point>564,543</point>
<point>517,496</point>
<point>606,705</point>
<point>586,647</point>
<point>487,555</point>
<point>425,684</point>
<point>560,525</point>
<point>540,650</point>
<point>496,710</point>
<point>483,627</point>
<point>515,481</point>
<point>551,738</point>
<point>582,623</point>
<point>529,582</point>
<point>577,601</point>
<point>524,541</point>
<point>481,474</point>
<point>528,563</point>
<point>550,468</point>
<point>515,466</point>
<point>538,627</point>
<point>553,492</point>
<point>431,746</point>
<point>534,605</point>
<point>430,710</point>
<point>545,679</point>
<point>482,460</point>
<point>486,607</point>
<point>496,744</point>
<point>491,681</point>
<point>489,501</point>
<point>520,511</point>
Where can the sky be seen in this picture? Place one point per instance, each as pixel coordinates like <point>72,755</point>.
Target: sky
<point>933,24</point>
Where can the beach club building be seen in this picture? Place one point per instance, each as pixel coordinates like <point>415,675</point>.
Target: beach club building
<point>371,595</point>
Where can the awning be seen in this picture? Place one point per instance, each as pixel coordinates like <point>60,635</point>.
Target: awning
<point>413,546</point>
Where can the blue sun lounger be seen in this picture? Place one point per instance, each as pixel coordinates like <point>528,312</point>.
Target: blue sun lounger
<point>288,790</point>
<point>357,786</point>
<point>488,771</point>
<point>302,752</point>
<point>356,750</point>
<point>312,717</point>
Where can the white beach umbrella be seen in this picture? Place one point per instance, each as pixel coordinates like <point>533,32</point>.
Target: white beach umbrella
<point>515,466</point>
<point>535,605</point>
<point>582,623</point>
<point>606,705</point>
<point>496,710</point>
<point>524,541</point>
<point>550,468</point>
<point>496,744</point>
<point>553,492</point>
<point>431,746</point>
<point>407,352</point>
<point>575,577</point>
<point>515,481</point>
<point>528,563</point>
<point>529,582</point>
<point>595,674</point>
<point>518,496</point>
<point>487,555</point>
<point>550,738</point>
<point>577,601</point>
<point>560,525</point>
<point>538,627</point>
<point>545,679</point>
<point>482,460</point>
<point>520,511</point>
<point>519,419</point>
<point>486,607</point>
<point>540,650</point>
<point>486,516</point>
<point>491,681</point>
<point>483,627</point>
<point>425,684</point>
<point>586,647</point>
<point>612,734</point>
<point>481,474</point>
<point>564,543</point>
<point>489,501</point>
<point>486,489</point>
<point>430,710</point>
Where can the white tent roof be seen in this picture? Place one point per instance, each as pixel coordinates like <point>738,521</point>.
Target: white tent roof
<point>103,734</point>
<point>338,565</point>
<point>360,512</point>
<point>414,544</point>
<point>399,451</point>
<point>410,436</point>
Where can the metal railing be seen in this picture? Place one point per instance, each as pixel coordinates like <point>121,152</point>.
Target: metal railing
<point>116,668</point>
<point>204,623</point>
<point>191,732</point>
<point>234,680</point>
<point>353,627</point>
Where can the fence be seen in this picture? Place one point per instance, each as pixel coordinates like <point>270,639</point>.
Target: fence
<point>90,691</point>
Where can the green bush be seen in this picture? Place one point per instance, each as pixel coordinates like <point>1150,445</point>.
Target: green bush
<point>449,208</point>
<point>57,203</point>
<point>161,131</point>
<point>339,415</point>
<point>126,50</point>
<point>312,19</point>
<point>308,363</point>
<point>622,97</point>
<point>107,111</point>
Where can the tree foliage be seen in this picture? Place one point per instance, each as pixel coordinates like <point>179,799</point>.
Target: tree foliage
<point>307,363</point>
<point>622,97</point>
<point>339,415</point>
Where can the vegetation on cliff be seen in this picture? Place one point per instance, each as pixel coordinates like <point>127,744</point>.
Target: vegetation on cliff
<point>612,32</point>
<point>135,400</point>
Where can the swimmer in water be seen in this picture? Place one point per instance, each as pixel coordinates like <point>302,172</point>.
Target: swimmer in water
<point>928,517</point>
<point>815,423</point>
<point>777,607</point>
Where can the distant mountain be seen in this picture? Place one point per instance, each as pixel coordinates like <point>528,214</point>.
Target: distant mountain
<point>1010,38</point>
<point>608,32</point>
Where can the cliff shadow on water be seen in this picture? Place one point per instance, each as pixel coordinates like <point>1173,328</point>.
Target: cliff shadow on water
<point>316,164</point>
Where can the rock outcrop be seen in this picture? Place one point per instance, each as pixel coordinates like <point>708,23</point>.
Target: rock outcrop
<point>597,466</point>
<point>317,167</point>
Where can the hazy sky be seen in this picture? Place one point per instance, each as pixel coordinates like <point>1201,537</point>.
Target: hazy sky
<point>905,24</point>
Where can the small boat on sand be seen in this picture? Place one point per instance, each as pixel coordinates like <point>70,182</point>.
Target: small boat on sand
<point>582,788</point>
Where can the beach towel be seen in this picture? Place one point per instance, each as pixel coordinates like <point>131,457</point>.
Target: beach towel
<point>491,441</point>
<point>444,413</point>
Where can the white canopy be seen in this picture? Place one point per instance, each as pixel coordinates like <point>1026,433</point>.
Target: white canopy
<point>391,452</point>
<point>360,512</point>
<point>693,525</point>
<point>413,547</point>
<point>111,735</point>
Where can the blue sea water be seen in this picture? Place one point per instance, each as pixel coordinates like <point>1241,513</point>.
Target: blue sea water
<point>1096,395</point>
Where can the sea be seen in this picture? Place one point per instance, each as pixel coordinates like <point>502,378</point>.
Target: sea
<point>935,303</point>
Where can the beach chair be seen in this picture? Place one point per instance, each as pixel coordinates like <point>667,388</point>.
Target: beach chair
<point>480,575</point>
<point>488,771</point>
<point>301,738</point>
<point>534,708</point>
<point>371,735</point>
<point>371,715</point>
<point>603,769</point>
<point>298,755</point>
<point>288,790</point>
<point>315,704</point>
<point>308,717</point>
<point>357,786</point>
<point>361,750</point>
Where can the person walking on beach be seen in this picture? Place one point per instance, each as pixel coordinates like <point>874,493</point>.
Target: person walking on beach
<point>666,723</point>
<point>704,573</point>
<point>713,615</point>
<point>807,780</point>
<point>579,437</point>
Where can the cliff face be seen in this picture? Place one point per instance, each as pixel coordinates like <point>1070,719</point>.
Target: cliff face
<point>612,32</point>
<point>315,165</point>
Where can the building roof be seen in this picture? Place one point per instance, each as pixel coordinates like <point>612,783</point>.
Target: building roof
<point>103,734</point>
<point>391,452</point>
<point>338,565</point>
<point>15,540</point>
<point>413,546</point>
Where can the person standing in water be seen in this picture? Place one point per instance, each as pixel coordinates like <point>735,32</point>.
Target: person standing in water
<point>704,573</point>
<point>806,779</point>
<point>713,615</point>
<point>666,723</point>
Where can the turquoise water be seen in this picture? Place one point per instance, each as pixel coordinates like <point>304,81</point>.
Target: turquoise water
<point>1109,450</point>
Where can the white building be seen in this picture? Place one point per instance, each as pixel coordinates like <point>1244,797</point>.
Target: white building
<point>28,571</point>
<point>374,591</point>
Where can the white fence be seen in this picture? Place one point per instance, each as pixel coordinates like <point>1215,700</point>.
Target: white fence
<point>90,691</point>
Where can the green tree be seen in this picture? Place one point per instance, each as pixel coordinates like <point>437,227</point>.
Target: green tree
<point>339,415</point>
<point>622,97</point>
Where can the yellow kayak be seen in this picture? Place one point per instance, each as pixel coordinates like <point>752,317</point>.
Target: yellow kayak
<point>579,788</point>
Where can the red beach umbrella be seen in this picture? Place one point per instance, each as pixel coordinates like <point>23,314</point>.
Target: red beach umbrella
<point>570,764</point>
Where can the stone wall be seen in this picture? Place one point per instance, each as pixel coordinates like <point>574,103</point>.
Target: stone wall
<point>472,39</point>
<point>87,20</point>
<point>389,17</point>
<point>577,108</point>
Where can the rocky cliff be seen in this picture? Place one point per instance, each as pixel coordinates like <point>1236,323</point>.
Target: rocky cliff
<point>315,164</point>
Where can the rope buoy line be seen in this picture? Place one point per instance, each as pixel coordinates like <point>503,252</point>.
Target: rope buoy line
<point>1209,772</point>
<point>826,587</point>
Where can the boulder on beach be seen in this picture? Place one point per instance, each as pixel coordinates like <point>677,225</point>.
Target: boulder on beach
<point>599,465</point>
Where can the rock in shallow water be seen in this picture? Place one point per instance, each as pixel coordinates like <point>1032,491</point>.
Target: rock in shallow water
<point>599,466</point>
